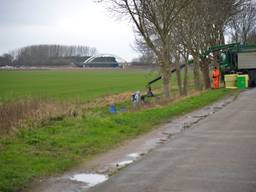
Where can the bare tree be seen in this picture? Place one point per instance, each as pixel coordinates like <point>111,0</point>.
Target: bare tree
<point>154,21</point>
<point>188,38</point>
<point>252,37</point>
<point>202,26</point>
<point>146,54</point>
<point>185,27</point>
<point>243,24</point>
<point>215,14</point>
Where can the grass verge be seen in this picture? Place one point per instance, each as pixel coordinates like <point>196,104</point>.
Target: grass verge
<point>61,144</point>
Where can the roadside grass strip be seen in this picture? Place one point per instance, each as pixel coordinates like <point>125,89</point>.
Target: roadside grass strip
<point>59,145</point>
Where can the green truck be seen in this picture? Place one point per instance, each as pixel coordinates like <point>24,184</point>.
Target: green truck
<point>236,58</point>
<point>233,58</point>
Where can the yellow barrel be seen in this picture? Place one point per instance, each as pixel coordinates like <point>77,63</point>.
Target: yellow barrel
<point>230,81</point>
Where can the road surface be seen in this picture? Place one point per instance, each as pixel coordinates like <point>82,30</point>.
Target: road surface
<point>216,155</point>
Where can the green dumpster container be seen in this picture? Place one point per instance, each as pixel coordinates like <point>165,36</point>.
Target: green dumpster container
<point>242,81</point>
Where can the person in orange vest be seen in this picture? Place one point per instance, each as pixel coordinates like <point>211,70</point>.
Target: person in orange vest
<point>216,78</point>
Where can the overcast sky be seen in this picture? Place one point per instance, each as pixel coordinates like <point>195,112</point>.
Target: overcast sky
<point>66,22</point>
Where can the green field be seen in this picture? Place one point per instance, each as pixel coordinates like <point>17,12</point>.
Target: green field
<point>70,85</point>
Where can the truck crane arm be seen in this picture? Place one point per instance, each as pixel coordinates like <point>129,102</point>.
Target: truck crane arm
<point>160,77</point>
<point>221,47</point>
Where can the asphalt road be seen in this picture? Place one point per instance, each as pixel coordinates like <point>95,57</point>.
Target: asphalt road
<point>216,155</point>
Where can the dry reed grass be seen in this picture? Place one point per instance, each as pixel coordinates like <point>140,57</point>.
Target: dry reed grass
<point>31,112</point>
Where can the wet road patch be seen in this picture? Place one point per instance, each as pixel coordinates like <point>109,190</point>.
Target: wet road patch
<point>90,179</point>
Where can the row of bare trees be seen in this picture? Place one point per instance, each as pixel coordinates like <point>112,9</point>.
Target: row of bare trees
<point>47,55</point>
<point>175,30</point>
<point>242,26</point>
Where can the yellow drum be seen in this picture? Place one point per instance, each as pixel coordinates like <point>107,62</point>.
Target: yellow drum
<point>230,81</point>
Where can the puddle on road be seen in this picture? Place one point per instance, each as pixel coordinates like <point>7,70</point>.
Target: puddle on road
<point>90,179</point>
<point>124,163</point>
<point>134,155</point>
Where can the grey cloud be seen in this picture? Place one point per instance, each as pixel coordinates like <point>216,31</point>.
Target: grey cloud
<point>30,11</point>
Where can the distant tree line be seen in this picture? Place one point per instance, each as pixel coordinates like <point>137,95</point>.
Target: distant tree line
<point>47,55</point>
<point>6,59</point>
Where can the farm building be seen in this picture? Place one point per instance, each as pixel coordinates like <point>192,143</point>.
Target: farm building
<point>101,61</point>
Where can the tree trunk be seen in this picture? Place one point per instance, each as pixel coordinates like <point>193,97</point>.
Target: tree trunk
<point>165,70</point>
<point>206,74</point>
<point>215,59</point>
<point>185,80</point>
<point>177,67</point>
<point>222,41</point>
<point>196,71</point>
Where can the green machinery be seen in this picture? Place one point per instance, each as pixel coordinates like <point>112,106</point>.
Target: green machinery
<point>236,58</point>
<point>233,58</point>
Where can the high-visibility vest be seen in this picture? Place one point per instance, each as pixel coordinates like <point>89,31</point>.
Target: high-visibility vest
<point>216,73</point>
